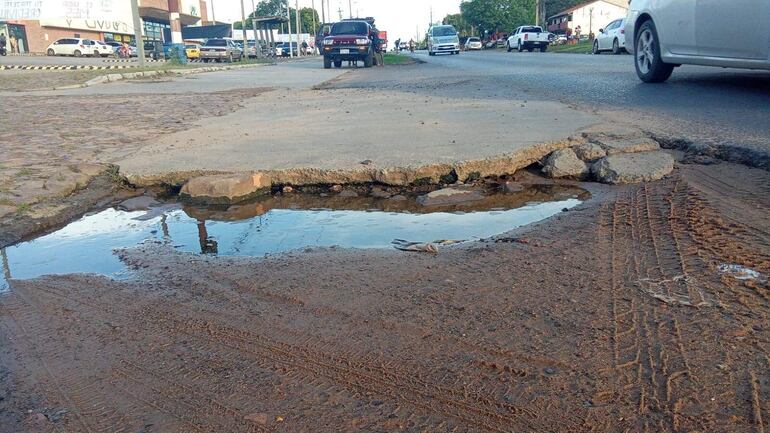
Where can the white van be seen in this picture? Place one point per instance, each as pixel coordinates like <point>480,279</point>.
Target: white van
<point>443,39</point>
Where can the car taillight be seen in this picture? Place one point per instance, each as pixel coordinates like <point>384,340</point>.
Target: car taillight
<point>622,31</point>
<point>82,46</point>
<point>526,36</point>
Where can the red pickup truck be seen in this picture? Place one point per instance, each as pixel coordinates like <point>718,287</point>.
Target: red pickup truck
<point>348,40</point>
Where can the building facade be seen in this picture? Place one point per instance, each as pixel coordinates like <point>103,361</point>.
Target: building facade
<point>156,15</point>
<point>589,17</point>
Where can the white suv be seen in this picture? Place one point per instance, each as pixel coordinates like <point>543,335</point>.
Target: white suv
<point>665,34</point>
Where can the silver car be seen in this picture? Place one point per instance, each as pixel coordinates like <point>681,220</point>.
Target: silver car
<point>664,34</point>
<point>220,50</point>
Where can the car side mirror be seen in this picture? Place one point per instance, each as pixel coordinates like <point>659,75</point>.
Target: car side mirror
<point>326,33</point>
<point>601,30</point>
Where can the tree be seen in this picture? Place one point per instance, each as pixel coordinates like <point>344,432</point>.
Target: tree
<point>459,23</point>
<point>498,15</point>
<point>267,8</point>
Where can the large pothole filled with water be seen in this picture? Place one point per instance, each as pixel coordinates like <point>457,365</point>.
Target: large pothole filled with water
<point>278,224</point>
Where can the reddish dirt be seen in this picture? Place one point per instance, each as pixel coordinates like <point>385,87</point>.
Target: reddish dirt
<point>612,317</point>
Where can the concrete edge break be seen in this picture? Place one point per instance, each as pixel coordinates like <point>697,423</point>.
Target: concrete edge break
<point>111,78</point>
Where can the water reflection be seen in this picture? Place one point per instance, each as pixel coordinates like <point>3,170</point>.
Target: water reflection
<point>273,225</point>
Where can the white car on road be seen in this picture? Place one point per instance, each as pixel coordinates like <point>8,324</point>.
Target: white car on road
<point>443,39</point>
<point>611,38</point>
<point>73,47</point>
<point>664,34</point>
<point>473,43</point>
<point>528,38</point>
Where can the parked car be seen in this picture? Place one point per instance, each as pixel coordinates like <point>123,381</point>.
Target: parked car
<point>665,34</point>
<point>491,44</point>
<point>192,51</point>
<point>528,38</point>
<point>220,50</point>
<point>501,42</point>
<point>101,49</point>
<point>611,37</point>
<point>473,43</point>
<point>349,41</point>
<point>282,49</point>
<point>72,47</point>
<point>560,40</point>
<point>443,39</point>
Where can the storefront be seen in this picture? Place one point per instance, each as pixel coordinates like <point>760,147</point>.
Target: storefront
<point>16,37</point>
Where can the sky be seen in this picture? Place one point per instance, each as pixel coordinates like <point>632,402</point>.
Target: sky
<point>400,18</point>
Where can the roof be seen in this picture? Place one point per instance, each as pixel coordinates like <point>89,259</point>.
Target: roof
<point>620,3</point>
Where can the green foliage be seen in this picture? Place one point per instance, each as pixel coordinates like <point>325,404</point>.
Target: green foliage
<point>269,8</point>
<point>459,22</point>
<point>498,15</point>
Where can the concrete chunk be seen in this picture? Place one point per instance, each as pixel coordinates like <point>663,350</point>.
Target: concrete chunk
<point>565,163</point>
<point>228,188</point>
<point>633,167</point>
<point>616,146</point>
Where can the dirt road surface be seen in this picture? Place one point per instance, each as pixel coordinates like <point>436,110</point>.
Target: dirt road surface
<point>613,317</point>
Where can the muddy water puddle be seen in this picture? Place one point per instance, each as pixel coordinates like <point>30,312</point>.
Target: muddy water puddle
<point>275,225</point>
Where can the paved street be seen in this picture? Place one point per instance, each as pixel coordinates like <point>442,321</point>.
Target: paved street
<point>698,103</point>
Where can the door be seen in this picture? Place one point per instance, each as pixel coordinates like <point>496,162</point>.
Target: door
<point>605,38</point>
<point>735,29</point>
<point>67,47</point>
<point>675,23</point>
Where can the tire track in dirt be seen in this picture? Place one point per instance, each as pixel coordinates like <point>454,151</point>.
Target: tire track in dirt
<point>360,374</point>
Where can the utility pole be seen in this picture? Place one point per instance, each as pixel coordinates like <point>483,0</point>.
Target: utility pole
<point>245,52</point>
<point>288,14</point>
<point>340,12</point>
<point>312,5</point>
<point>431,15</point>
<point>138,31</point>
<point>537,12</point>
<point>350,8</point>
<point>298,27</point>
<point>213,14</point>
<point>323,12</point>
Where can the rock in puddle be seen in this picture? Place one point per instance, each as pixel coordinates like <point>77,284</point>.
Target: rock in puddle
<point>450,196</point>
<point>633,167</point>
<point>138,203</point>
<point>565,163</point>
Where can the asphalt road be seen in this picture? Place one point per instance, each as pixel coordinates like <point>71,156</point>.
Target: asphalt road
<point>705,105</point>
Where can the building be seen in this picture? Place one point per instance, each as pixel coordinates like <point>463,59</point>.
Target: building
<point>35,35</point>
<point>589,16</point>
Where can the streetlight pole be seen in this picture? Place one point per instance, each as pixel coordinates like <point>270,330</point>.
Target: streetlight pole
<point>297,27</point>
<point>138,31</point>
<point>350,8</point>
<point>213,14</point>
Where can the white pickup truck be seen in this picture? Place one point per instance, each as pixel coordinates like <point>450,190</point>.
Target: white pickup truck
<point>528,38</point>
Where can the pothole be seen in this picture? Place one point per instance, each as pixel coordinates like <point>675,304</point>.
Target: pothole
<point>275,225</point>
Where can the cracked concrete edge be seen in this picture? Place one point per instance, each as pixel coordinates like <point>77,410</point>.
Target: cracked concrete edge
<point>728,152</point>
<point>111,78</point>
<point>432,173</point>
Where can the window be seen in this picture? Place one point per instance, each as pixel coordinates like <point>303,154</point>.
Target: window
<point>216,43</point>
<point>350,28</point>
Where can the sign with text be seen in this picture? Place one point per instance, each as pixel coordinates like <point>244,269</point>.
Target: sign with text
<point>61,9</point>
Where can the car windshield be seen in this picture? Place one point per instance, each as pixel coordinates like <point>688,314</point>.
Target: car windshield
<point>444,31</point>
<point>350,28</point>
<point>473,39</point>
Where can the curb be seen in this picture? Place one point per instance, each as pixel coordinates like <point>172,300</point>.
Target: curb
<point>111,78</point>
<point>133,61</point>
<point>60,67</point>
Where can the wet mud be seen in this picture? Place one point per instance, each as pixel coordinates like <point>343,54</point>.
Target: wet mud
<point>612,317</point>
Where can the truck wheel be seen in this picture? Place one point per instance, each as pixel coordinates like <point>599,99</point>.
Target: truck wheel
<point>368,60</point>
<point>649,66</point>
<point>615,47</point>
<point>327,63</point>
<point>431,53</point>
<point>508,47</point>
<point>338,63</point>
<point>519,47</point>
<point>530,49</point>
<point>544,48</point>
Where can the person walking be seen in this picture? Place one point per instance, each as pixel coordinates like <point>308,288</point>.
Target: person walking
<point>398,45</point>
<point>377,45</point>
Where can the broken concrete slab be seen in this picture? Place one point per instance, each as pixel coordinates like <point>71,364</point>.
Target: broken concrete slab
<point>450,196</point>
<point>226,188</point>
<point>565,163</point>
<point>633,167</point>
<point>615,146</point>
<point>589,152</point>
